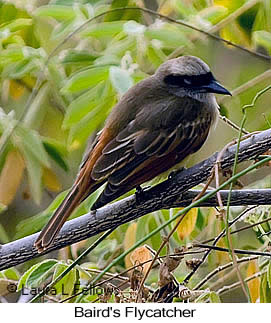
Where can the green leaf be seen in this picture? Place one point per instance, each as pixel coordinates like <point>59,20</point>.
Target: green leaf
<point>55,11</point>
<point>18,24</point>
<point>8,11</point>
<point>11,55</point>
<point>142,228</point>
<point>214,14</point>
<point>63,2</point>
<point>22,281</point>
<point>155,55</point>
<point>34,170</point>
<point>20,69</point>
<point>15,54</point>
<point>32,224</point>
<point>3,234</point>
<point>186,9</point>
<point>262,21</point>
<point>262,38</point>
<point>117,15</point>
<point>41,273</point>
<point>103,29</point>
<point>65,287</point>
<point>57,145</point>
<point>119,48</point>
<point>10,273</point>
<point>81,130</point>
<point>82,105</point>
<point>64,29</point>
<point>76,56</point>
<point>34,117</point>
<point>120,79</point>
<point>84,79</point>
<point>156,239</point>
<point>203,297</point>
<point>30,142</point>
<point>53,151</point>
<point>170,37</point>
<point>214,297</point>
<point>84,275</point>
<point>200,220</point>
<point>107,59</point>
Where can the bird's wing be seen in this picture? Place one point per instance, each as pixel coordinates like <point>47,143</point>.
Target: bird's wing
<point>148,146</point>
<point>151,133</point>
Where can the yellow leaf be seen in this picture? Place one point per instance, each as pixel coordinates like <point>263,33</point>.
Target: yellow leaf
<point>129,241</point>
<point>29,81</point>
<point>222,257</point>
<point>140,255</point>
<point>11,176</point>
<point>51,181</point>
<point>254,284</point>
<point>188,224</point>
<point>16,90</point>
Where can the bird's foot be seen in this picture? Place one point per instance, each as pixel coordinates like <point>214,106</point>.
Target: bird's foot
<point>93,211</point>
<point>176,172</point>
<point>140,193</point>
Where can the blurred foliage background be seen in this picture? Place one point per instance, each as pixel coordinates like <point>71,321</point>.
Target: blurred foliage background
<point>83,80</point>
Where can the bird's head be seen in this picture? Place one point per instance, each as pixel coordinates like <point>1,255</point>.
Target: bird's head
<point>189,76</point>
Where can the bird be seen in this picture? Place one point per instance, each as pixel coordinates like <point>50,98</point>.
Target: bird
<point>156,124</point>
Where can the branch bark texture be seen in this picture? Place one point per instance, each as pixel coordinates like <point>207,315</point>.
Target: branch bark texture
<point>173,192</point>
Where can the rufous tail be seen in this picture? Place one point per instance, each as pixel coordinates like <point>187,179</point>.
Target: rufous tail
<point>51,229</point>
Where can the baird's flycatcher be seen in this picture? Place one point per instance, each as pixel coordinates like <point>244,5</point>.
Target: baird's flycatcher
<point>155,125</point>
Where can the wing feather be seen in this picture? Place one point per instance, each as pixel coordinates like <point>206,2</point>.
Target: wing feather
<point>149,145</point>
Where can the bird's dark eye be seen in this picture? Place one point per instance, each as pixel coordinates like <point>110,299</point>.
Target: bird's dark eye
<point>174,80</point>
<point>189,80</point>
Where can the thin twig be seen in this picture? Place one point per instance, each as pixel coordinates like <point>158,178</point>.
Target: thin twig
<point>232,124</point>
<point>238,251</point>
<point>221,268</point>
<point>221,234</point>
<point>225,289</point>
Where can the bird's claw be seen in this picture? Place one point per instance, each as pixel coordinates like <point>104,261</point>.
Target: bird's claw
<point>140,193</point>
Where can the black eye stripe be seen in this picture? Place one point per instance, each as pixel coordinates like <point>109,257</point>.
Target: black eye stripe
<point>189,80</point>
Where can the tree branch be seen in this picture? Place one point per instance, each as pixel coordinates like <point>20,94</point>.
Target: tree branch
<point>170,193</point>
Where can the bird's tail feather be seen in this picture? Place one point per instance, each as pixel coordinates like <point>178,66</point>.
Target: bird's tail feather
<point>48,233</point>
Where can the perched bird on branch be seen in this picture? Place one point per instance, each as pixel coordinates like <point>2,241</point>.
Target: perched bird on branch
<point>156,124</point>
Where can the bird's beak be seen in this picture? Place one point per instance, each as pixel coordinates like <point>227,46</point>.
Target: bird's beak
<point>215,87</point>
